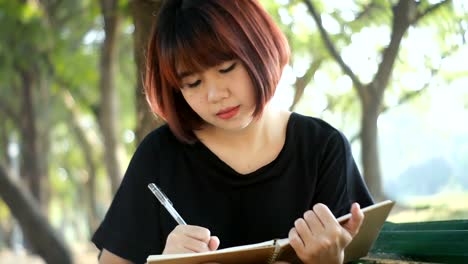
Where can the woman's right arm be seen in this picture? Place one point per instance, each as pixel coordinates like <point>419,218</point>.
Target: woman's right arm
<point>108,257</point>
<point>183,239</point>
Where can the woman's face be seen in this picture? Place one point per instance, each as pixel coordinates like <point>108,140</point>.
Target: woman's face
<point>223,95</point>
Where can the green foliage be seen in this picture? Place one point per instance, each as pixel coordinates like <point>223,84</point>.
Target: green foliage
<point>354,22</point>
<point>64,176</point>
<point>25,35</point>
<point>77,72</point>
<point>48,41</point>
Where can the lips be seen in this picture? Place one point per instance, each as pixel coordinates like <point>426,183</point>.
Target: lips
<point>228,113</point>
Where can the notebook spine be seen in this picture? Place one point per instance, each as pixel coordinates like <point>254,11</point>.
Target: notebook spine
<point>275,253</point>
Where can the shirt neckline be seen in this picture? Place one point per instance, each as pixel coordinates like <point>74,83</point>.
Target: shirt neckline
<point>286,148</point>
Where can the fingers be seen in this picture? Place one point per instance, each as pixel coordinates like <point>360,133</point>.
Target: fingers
<point>308,226</point>
<point>354,223</point>
<point>325,215</point>
<point>318,234</point>
<point>195,232</point>
<point>295,241</point>
<point>195,246</point>
<point>316,222</point>
<point>213,244</point>
<point>190,239</point>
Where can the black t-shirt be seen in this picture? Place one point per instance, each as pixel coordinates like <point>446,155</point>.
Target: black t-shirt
<point>315,165</point>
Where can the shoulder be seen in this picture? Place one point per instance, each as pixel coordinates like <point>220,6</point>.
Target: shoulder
<point>316,134</point>
<point>161,137</point>
<point>312,127</point>
<point>156,148</point>
<point>160,140</point>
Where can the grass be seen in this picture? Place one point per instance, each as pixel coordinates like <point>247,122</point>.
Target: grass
<point>447,205</point>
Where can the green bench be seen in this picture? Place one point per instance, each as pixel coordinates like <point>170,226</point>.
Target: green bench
<point>433,242</point>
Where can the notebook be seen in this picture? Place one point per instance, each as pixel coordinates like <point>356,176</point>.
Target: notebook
<point>280,249</point>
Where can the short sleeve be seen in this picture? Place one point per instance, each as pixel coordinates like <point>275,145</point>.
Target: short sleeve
<point>340,183</point>
<point>130,228</point>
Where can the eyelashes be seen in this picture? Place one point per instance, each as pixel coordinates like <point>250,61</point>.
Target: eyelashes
<point>195,84</point>
<point>222,71</point>
<point>228,69</point>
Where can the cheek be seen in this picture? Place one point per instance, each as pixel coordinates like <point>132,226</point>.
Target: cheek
<point>248,91</point>
<point>200,100</point>
<point>195,101</point>
<point>245,85</point>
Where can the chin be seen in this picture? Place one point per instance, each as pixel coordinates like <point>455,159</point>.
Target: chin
<point>236,125</point>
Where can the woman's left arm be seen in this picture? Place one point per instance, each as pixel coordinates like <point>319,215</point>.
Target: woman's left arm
<point>319,238</point>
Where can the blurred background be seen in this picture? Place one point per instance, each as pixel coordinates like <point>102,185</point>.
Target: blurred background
<point>392,75</point>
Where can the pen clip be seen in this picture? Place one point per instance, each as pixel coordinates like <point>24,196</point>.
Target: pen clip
<point>159,194</point>
<point>166,203</point>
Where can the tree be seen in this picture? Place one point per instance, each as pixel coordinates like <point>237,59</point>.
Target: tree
<point>34,36</point>
<point>89,156</point>
<point>406,13</point>
<point>108,110</point>
<point>25,71</point>
<point>33,223</point>
<point>143,13</point>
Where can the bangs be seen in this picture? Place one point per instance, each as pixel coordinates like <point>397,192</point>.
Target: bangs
<point>193,47</point>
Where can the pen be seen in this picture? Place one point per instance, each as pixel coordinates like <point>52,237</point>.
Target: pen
<point>166,203</point>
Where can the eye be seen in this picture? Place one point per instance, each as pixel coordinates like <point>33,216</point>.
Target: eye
<point>194,84</point>
<point>228,69</point>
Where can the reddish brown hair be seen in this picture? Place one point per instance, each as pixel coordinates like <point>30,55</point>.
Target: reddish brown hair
<point>198,34</point>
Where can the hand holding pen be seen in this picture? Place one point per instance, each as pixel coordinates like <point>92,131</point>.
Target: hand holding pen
<point>184,238</point>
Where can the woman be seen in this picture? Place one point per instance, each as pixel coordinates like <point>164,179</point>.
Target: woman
<point>226,158</point>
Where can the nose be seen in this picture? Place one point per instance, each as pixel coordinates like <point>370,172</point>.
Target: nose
<point>217,91</point>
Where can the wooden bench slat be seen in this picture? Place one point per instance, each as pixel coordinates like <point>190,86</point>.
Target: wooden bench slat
<point>433,242</point>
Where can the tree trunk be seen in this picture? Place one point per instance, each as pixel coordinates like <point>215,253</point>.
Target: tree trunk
<point>302,82</point>
<point>144,13</point>
<point>93,218</point>
<point>89,188</point>
<point>29,138</point>
<point>4,141</point>
<point>44,125</point>
<point>370,148</point>
<point>33,223</point>
<point>405,14</point>
<point>7,230</point>
<point>87,149</point>
<point>372,100</point>
<point>108,108</point>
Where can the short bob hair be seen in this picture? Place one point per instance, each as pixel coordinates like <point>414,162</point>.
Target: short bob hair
<point>198,34</point>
